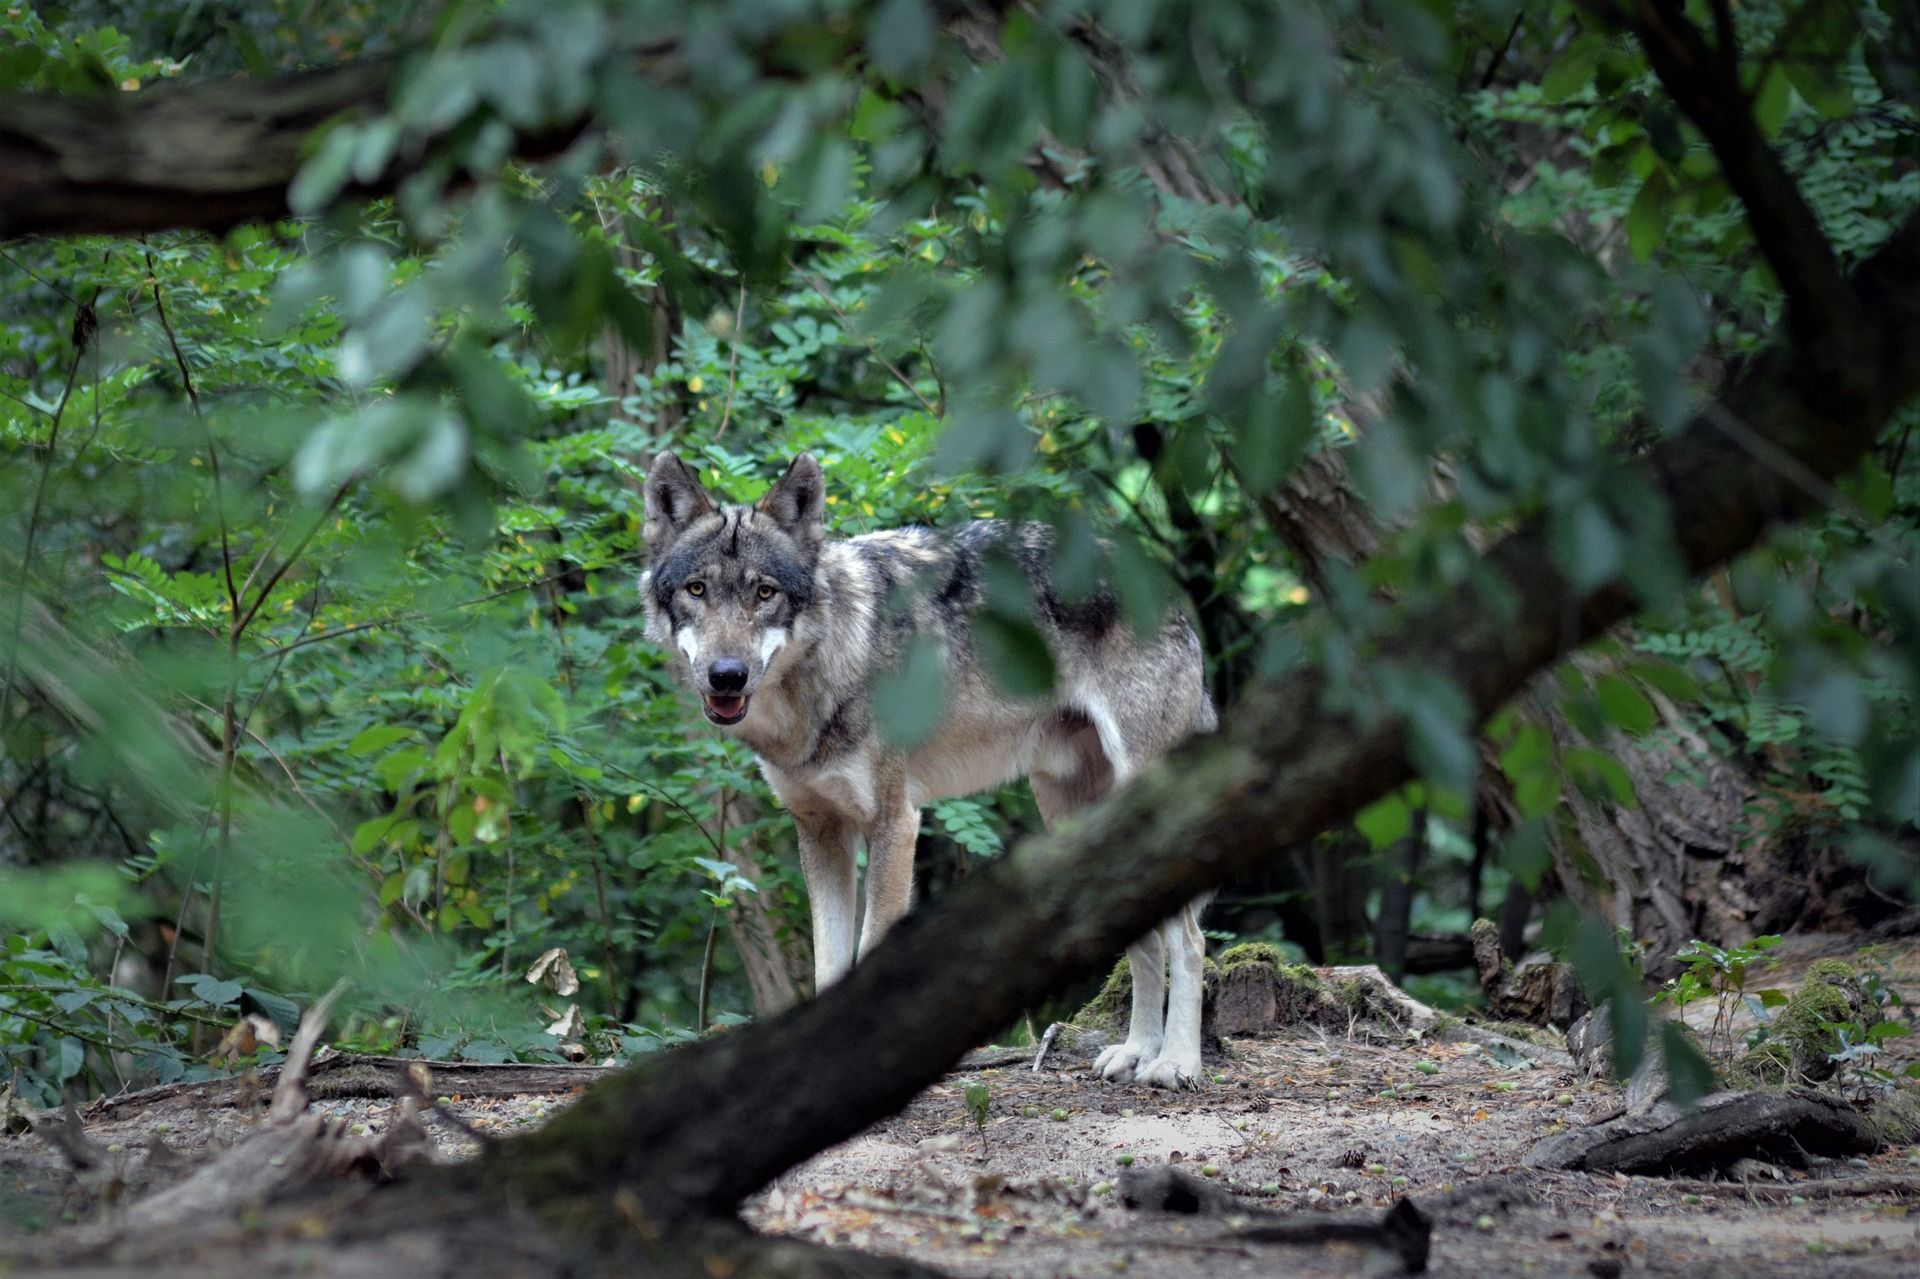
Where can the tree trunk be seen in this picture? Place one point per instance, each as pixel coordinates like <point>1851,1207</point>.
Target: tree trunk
<point>1696,856</point>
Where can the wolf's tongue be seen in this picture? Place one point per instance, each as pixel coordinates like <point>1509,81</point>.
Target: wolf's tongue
<point>727,706</point>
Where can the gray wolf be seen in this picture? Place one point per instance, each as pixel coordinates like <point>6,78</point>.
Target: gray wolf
<point>782,631</point>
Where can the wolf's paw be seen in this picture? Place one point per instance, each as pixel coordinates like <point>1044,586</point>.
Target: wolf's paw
<point>1169,1072</point>
<point>1121,1062</point>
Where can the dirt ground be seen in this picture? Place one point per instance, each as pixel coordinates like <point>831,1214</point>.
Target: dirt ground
<point>1317,1123</point>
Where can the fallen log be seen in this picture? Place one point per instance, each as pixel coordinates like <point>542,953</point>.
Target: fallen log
<point>1779,1127</point>
<point>334,1075</point>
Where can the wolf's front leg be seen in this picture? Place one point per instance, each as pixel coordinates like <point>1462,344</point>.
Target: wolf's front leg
<point>1178,1065</point>
<point>890,841</point>
<point>1147,961</point>
<point>827,862</point>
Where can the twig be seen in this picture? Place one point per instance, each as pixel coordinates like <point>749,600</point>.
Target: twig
<point>506,900</point>
<point>42,280</point>
<point>213,454</point>
<point>654,788</point>
<point>607,964</point>
<point>713,928</point>
<point>293,556</point>
<point>280,660</point>
<point>64,1028</point>
<point>733,361</point>
<point>1780,462</point>
<point>706,974</point>
<point>267,749</point>
<point>1829,1188</point>
<point>1500,54</point>
<point>1046,1046</point>
<point>414,1077</point>
<point>114,995</point>
<point>84,326</point>
<point>25,404</point>
<point>395,619</point>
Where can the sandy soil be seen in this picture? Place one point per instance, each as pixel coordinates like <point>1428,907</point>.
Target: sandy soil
<point>1315,1125</point>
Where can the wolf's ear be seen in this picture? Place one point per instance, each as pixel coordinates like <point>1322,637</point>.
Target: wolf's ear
<point>674,500</point>
<point>798,502</point>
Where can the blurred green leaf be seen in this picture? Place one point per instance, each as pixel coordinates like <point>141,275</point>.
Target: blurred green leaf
<point>908,703</point>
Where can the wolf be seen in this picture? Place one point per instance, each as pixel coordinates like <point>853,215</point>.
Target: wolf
<point>782,631</point>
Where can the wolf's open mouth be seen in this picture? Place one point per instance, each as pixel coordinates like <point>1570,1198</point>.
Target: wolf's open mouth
<point>725,710</point>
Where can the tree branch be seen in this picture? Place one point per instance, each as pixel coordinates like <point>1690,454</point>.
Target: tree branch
<point>1821,305</point>
<point>209,155</point>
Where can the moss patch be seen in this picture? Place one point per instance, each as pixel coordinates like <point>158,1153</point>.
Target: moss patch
<point>1108,1011</point>
<point>1832,972</point>
<point>1251,952</point>
<point>1768,1065</point>
<point>1301,975</point>
<point>1801,1038</point>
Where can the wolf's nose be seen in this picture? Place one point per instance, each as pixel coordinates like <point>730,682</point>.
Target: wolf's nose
<point>728,675</point>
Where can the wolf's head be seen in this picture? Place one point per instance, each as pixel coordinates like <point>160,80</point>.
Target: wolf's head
<point>726,585</point>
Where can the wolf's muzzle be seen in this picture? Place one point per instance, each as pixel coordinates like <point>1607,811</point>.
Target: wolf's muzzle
<point>726,700</point>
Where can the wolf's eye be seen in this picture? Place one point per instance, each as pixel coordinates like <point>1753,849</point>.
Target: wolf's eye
<point>696,589</point>
<point>766,592</point>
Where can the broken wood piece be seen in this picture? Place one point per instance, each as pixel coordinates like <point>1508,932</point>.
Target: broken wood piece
<point>1165,1188</point>
<point>275,1159</point>
<point>1538,989</point>
<point>1404,1231</point>
<point>290,1090</point>
<point>1046,1044</point>
<point>1782,1127</point>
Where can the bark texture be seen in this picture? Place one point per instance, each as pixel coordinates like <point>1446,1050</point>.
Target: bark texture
<point>1722,1130</point>
<point>211,155</point>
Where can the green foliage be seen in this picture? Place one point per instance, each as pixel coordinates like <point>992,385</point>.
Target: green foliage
<point>1720,973</point>
<point>354,499</point>
<point>970,824</point>
<point>978,1100</point>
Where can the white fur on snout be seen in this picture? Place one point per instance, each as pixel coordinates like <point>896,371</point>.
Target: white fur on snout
<point>772,641</point>
<point>690,645</point>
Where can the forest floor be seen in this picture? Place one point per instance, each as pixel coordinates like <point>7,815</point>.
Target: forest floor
<point>1326,1124</point>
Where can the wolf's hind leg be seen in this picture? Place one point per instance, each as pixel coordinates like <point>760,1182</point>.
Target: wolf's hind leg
<point>890,842</point>
<point>1178,1065</point>
<point>1082,772</point>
